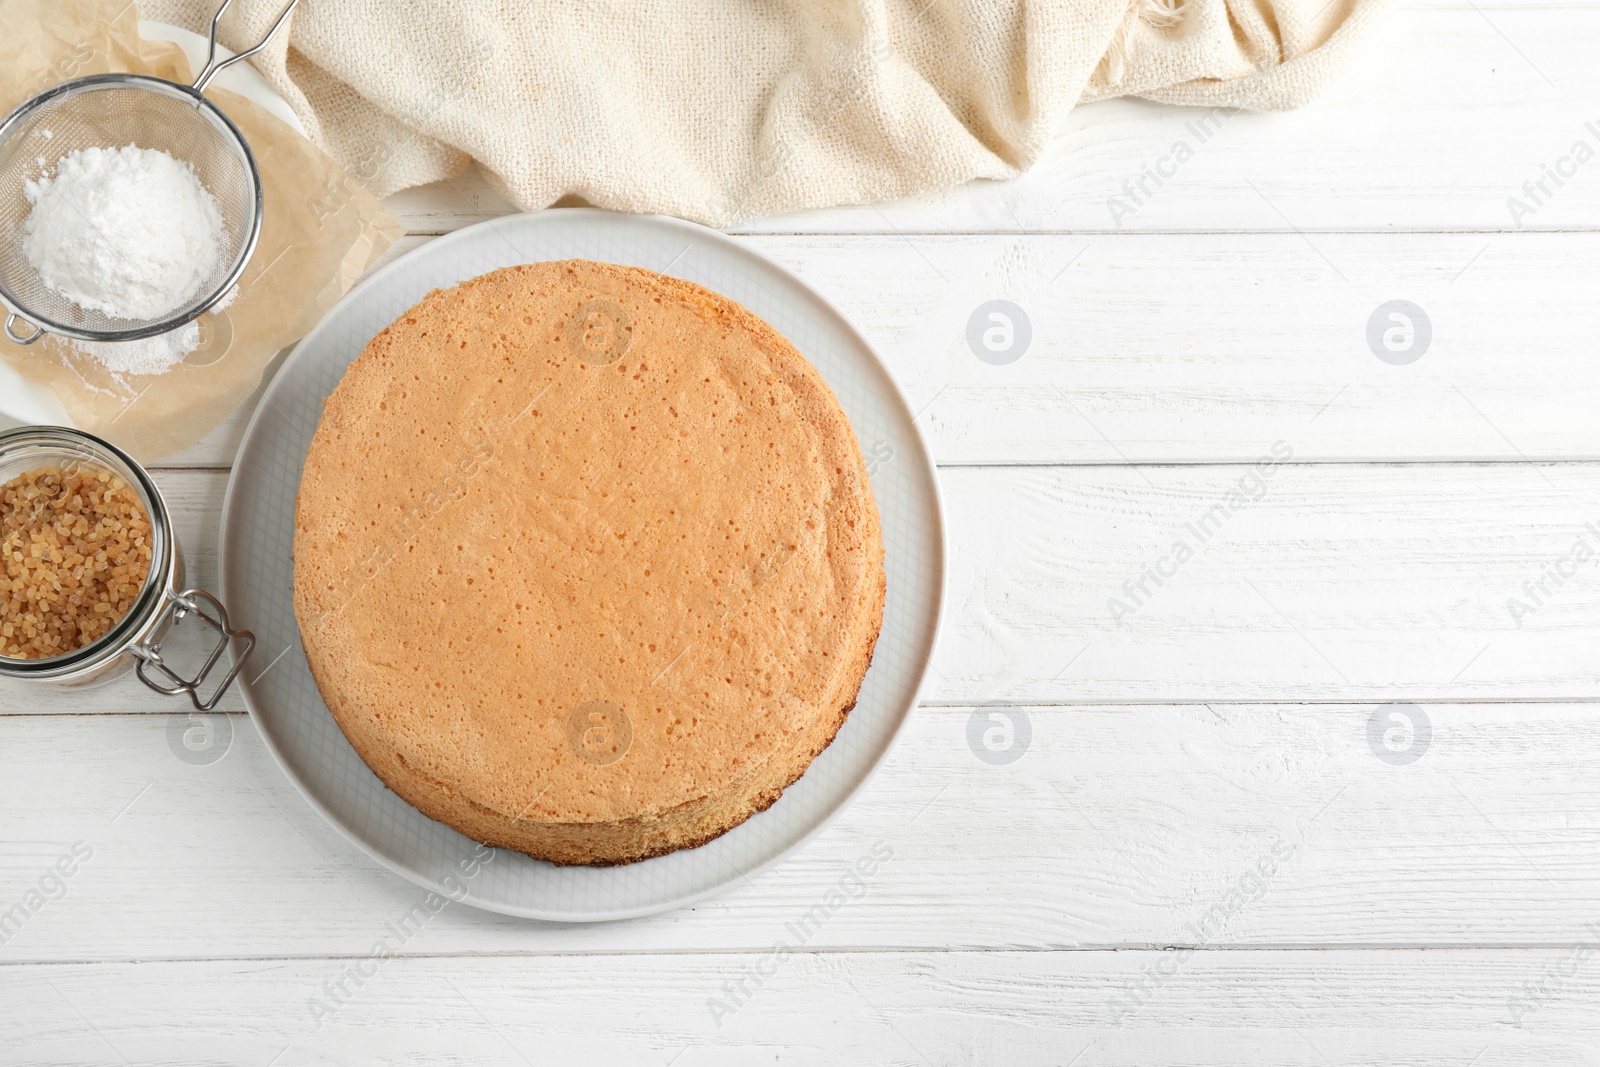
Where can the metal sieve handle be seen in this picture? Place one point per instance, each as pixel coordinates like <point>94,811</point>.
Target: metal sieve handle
<point>25,338</point>
<point>213,66</point>
<point>149,654</point>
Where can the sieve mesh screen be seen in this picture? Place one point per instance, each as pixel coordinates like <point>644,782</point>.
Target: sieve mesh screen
<point>111,111</point>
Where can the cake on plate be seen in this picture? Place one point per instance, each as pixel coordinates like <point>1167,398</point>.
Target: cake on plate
<point>586,561</point>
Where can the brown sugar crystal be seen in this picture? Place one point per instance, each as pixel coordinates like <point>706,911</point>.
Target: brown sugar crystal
<point>76,543</point>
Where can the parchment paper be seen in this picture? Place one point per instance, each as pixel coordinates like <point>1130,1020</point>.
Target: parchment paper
<point>320,231</point>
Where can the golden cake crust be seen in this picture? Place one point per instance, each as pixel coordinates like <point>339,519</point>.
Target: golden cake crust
<point>586,561</point>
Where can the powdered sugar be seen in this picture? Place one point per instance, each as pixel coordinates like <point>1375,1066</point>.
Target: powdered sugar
<point>129,232</point>
<point>151,355</point>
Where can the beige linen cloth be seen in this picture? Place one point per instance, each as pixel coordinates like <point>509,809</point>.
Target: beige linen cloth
<point>718,110</point>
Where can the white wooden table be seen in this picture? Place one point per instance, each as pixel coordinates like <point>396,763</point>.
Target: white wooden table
<point>1206,853</point>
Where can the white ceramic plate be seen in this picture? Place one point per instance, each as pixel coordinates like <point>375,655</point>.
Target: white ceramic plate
<point>23,403</point>
<point>257,572</point>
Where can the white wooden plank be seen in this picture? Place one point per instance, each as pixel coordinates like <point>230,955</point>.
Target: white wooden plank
<point>1201,348</point>
<point>1216,1009</point>
<point>1116,827</point>
<point>1337,582</point>
<point>1193,348</point>
<point>1442,119</point>
<point>1333,582</point>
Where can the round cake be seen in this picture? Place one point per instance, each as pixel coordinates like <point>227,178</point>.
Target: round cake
<point>586,563</point>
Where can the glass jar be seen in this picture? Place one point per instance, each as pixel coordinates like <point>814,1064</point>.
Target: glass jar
<point>134,643</point>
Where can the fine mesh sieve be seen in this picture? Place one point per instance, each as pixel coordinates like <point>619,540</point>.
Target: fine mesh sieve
<point>110,111</point>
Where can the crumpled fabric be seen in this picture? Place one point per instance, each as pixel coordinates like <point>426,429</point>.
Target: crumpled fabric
<point>718,110</point>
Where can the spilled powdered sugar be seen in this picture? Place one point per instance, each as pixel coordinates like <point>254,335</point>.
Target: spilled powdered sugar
<point>129,232</point>
<point>150,355</point>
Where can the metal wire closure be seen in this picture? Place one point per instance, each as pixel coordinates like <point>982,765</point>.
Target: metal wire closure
<point>180,606</point>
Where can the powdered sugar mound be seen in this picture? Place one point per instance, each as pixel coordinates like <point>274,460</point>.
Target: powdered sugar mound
<point>129,232</point>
